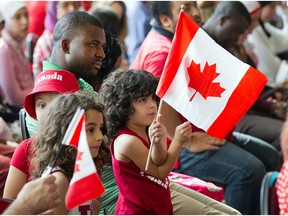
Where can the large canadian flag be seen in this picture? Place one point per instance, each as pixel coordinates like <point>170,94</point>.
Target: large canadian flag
<point>205,83</point>
<point>85,184</point>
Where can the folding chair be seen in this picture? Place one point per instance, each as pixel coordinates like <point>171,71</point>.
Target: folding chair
<point>22,123</point>
<point>268,196</point>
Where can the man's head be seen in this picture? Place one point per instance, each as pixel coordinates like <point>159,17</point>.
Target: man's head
<point>78,42</point>
<point>229,20</point>
<point>268,10</point>
<point>166,13</point>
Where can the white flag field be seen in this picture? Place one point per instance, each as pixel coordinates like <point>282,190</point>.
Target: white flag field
<point>85,184</point>
<point>205,83</point>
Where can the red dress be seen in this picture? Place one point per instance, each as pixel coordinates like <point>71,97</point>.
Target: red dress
<point>139,193</point>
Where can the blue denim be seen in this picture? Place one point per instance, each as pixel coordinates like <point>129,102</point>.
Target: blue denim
<point>240,172</point>
<point>264,151</point>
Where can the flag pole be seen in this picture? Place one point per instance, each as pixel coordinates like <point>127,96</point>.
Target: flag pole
<point>152,142</point>
<point>50,168</point>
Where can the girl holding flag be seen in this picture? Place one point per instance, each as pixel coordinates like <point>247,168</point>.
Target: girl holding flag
<point>47,85</point>
<point>48,142</point>
<point>130,108</point>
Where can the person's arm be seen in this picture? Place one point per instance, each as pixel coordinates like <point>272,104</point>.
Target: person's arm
<point>62,186</point>
<point>130,148</point>
<point>18,170</point>
<point>15,181</point>
<point>200,141</point>
<point>36,197</point>
<point>96,203</point>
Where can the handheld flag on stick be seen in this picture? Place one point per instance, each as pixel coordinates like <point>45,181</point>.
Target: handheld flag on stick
<point>85,184</point>
<point>205,83</point>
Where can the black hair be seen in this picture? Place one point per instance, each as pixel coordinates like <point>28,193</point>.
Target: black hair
<point>107,18</point>
<point>233,9</point>
<point>119,90</point>
<point>265,3</point>
<point>112,52</point>
<point>161,8</point>
<point>71,23</point>
<point>48,140</point>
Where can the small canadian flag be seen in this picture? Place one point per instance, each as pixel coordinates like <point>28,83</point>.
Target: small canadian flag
<point>205,83</point>
<point>85,184</point>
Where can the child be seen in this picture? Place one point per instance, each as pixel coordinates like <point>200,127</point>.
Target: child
<point>16,80</point>
<point>131,107</point>
<point>48,142</point>
<point>47,85</point>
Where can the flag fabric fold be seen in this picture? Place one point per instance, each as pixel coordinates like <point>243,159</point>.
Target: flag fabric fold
<point>72,134</point>
<point>85,184</point>
<point>205,83</point>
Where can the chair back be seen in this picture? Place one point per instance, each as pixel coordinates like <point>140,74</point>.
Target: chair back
<point>22,123</point>
<point>268,197</point>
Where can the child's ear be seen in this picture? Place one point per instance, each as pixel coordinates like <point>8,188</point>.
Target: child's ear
<point>65,45</point>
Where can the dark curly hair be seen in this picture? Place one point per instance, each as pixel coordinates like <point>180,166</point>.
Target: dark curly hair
<point>119,90</point>
<point>48,140</point>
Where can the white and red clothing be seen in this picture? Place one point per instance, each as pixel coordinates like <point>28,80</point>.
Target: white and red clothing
<point>139,193</point>
<point>282,189</point>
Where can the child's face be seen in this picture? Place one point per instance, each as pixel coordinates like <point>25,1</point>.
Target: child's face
<point>41,101</point>
<point>94,125</point>
<point>19,23</point>
<point>145,111</point>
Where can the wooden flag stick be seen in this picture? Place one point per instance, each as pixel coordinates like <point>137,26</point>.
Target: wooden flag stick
<point>152,142</point>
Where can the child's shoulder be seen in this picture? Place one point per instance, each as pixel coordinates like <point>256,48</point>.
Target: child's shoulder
<point>127,138</point>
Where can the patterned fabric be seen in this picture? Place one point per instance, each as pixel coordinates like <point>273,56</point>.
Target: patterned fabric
<point>109,198</point>
<point>139,192</point>
<point>42,51</point>
<point>282,189</point>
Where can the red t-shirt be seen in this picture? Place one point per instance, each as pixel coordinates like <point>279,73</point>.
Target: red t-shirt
<point>139,193</point>
<point>21,159</point>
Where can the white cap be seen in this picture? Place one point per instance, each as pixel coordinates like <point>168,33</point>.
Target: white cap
<point>252,6</point>
<point>9,8</point>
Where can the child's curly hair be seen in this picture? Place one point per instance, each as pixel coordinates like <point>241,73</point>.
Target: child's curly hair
<point>118,92</point>
<point>52,129</point>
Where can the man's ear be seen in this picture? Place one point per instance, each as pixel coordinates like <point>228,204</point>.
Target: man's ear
<point>223,19</point>
<point>65,45</point>
<point>165,21</point>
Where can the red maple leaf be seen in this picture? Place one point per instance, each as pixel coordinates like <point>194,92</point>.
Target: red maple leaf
<point>202,82</point>
<point>78,158</point>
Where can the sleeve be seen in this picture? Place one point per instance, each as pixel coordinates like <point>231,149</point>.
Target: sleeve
<point>8,82</point>
<point>268,63</point>
<point>20,157</point>
<point>278,40</point>
<point>155,63</point>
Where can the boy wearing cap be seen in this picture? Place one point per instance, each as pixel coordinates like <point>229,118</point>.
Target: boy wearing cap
<point>47,85</point>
